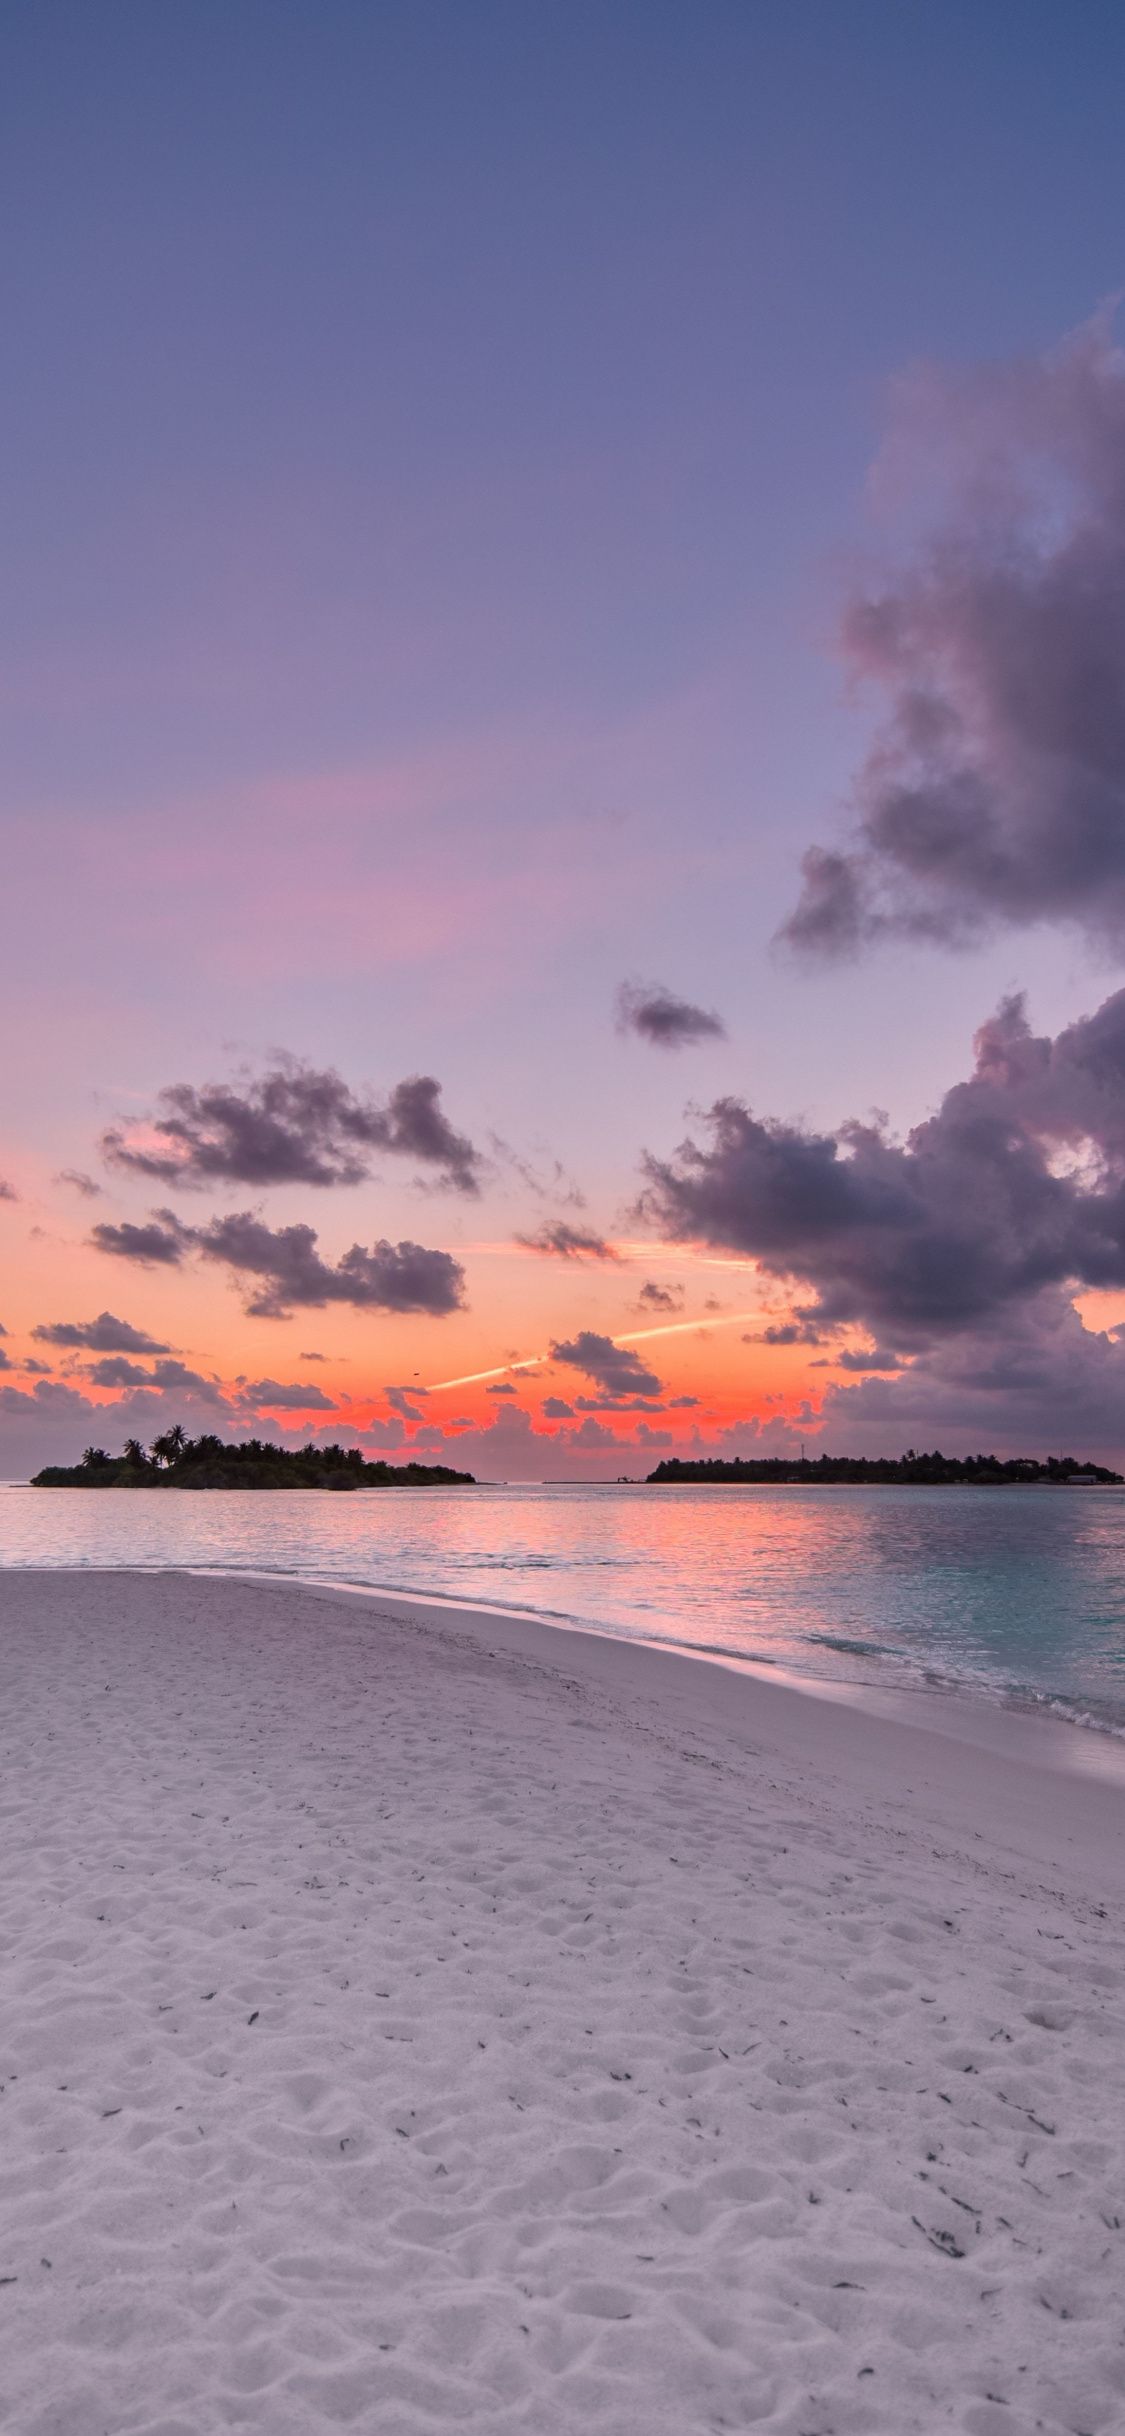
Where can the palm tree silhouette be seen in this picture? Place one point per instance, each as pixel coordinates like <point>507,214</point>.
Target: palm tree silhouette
<point>166,1448</point>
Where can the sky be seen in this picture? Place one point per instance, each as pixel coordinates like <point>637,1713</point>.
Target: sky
<point>562,729</point>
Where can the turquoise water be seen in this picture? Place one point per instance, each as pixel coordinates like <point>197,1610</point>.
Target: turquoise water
<point>1008,1593</point>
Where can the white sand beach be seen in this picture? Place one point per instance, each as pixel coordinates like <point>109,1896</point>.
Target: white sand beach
<point>413,2019</point>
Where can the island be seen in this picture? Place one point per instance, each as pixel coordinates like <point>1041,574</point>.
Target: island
<point>876,1471</point>
<point>175,1461</point>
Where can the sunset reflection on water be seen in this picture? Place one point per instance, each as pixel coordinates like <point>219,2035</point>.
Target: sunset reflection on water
<point>992,1587</point>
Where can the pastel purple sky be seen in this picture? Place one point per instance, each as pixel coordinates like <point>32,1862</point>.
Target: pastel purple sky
<point>574,553</point>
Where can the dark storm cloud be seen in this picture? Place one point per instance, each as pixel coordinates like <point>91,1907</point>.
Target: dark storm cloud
<point>565,1242</point>
<point>667,1022</point>
<point>1015,1185</point>
<point>161,1244</point>
<point>994,792</point>
<point>616,1369</point>
<point>295,1124</point>
<point>105,1334</point>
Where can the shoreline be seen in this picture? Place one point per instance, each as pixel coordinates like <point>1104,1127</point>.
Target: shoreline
<point>1028,1725</point>
<point>416,2016</point>
<point>976,1709</point>
<point>854,1731</point>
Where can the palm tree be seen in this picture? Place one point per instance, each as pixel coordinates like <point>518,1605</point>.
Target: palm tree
<point>135,1455</point>
<point>166,1448</point>
<point>94,1457</point>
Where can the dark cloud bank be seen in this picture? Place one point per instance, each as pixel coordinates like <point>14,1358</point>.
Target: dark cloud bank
<point>288,1268</point>
<point>293,1125</point>
<point>957,1249</point>
<point>994,792</point>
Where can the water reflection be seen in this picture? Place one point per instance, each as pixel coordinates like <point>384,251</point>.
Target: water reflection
<point>993,1587</point>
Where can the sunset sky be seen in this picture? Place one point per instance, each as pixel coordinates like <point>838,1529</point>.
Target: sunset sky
<point>563,615</point>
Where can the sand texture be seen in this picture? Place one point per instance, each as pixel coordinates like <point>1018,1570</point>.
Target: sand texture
<point>421,2022</point>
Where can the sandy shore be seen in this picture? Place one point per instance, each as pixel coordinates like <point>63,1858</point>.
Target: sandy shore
<point>416,2020</point>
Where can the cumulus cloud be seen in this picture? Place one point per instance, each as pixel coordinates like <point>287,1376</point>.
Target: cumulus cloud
<point>556,1408</point>
<point>405,1400</point>
<point>786,1332</point>
<point>875,1359</point>
<point>160,1244</point>
<point>1036,1382</point>
<point>503,1388</point>
<point>390,1277</point>
<point>116,1370</point>
<point>5,1360</point>
<point>616,1369</point>
<point>654,1297</point>
<point>655,1014</point>
<point>592,1434</point>
<point>164,1378</point>
<point>565,1242</point>
<point>80,1181</point>
<point>285,1396</point>
<point>52,1423</point>
<point>105,1334</point>
<point>994,791</point>
<point>617,1404</point>
<point>971,1233</point>
<point>7,1191</point>
<point>295,1124</point>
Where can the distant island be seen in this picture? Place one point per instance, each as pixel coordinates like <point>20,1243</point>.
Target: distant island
<point>874,1471</point>
<point>176,1461</point>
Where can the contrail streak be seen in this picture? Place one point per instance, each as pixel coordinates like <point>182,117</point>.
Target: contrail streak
<point>632,1336</point>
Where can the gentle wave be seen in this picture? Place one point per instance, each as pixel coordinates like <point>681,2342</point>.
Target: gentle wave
<point>997,1597</point>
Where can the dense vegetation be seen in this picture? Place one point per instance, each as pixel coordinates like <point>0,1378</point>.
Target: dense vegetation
<point>176,1461</point>
<point>927,1471</point>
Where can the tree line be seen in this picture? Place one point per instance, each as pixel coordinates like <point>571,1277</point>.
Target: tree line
<point>175,1461</point>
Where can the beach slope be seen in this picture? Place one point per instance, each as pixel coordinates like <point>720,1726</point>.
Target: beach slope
<point>417,2020</point>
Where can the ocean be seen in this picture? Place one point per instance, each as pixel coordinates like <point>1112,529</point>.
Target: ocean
<point>1013,1595</point>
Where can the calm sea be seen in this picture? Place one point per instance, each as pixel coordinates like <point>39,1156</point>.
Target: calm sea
<point>1016,1594</point>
